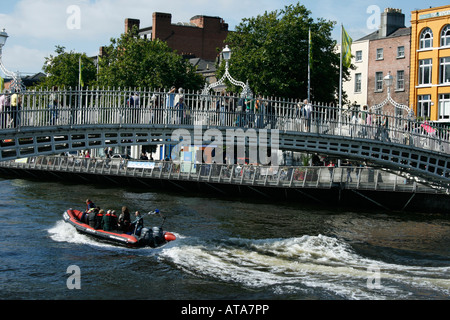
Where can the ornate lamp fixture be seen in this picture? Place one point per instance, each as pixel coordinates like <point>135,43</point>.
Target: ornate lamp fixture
<point>16,83</point>
<point>389,81</point>
<point>246,91</point>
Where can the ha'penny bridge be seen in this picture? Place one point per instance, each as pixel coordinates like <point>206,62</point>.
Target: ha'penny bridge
<point>404,158</point>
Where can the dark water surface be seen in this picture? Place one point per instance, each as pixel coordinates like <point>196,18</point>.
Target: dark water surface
<point>234,250</point>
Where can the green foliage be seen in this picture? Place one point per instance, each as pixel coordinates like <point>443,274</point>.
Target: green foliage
<point>271,51</point>
<point>64,69</point>
<point>129,62</point>
<point>134,62</point>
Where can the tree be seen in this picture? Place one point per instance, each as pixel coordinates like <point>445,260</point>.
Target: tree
<point>271,52</point>
<point>131,61</point>
<point>64,69</point>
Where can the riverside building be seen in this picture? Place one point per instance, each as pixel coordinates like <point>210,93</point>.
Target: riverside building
<point>430,64</point>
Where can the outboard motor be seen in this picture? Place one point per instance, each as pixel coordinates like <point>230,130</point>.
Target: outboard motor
<point>147,237</point>
<point>158,236</point>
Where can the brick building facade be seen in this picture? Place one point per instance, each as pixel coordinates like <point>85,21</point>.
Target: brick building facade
<point>389,54</point>
<point>203,37</point>
<point>384,51</point>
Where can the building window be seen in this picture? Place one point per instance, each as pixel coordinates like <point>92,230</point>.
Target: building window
<point>444,70</point>
<point>424,106</point>
<point>400,80</point>
<point>445,36</point>
<point>358,79</point>
<point>400,52</point>
<point>426,39</point>
<point>359,56</point>
<point>379,81</point>
<point>380,54</point>
<point>444,106</point>
<point>425,71</point>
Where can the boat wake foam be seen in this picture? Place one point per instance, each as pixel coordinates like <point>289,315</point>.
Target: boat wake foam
<point>290,266</point>
<point>64,232</point>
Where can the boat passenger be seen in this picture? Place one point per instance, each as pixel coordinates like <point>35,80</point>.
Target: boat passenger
<point>124,220</point>
<point>106,225</point>
<point>85,216</point>
<point>114,220</point>
<point>89,205</point>
<point>91,217</point>
<point>110,221</point>
<point>137,224</point>
<point>99,220</point>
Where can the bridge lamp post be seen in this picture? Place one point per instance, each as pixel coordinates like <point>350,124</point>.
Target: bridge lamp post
<point>246,91</point>
<point>226,54</point>
<point>389,81</point>
<point>16,80</point>
<point>3,37</point>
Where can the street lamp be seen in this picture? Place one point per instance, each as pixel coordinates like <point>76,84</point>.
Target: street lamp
<point>389,80</point>
<point>226,55</point>
<point>16,83</point>
<point>3,37</point>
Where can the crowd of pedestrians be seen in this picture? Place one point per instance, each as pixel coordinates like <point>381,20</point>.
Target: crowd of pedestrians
<point>175,107</point>
<point>10,106</point>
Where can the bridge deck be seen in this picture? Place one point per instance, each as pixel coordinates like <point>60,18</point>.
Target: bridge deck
<point>352,178</point>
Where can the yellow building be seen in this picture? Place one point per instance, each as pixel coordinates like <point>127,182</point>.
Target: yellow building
<point>430,64</point>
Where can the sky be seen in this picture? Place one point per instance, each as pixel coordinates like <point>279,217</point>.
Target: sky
<point>36,27</point>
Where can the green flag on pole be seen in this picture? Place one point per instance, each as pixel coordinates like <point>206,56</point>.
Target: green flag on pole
<point>2,84</point>
<point>346,49</point>
<point>310,50</point>
<point>310,64</point>
<point>80,76</point>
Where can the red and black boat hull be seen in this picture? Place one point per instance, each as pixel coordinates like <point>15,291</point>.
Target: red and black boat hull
<point>152,238</point>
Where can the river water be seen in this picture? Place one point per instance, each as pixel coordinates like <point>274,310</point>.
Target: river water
<point>226,249</point>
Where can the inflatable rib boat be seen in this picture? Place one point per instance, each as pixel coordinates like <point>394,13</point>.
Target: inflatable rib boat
<point>154,237</point>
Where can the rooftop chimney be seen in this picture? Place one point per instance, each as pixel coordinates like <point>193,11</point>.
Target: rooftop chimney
<point>391,20</point>
<point>130,23</point>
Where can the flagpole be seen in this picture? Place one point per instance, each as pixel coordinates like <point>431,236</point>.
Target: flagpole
<point>340,81</point>
<point>309,67</point>
<point>79,84</point>
<point>79,73</point>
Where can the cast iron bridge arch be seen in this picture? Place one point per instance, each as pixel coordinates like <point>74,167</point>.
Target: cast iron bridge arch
<point>64,121</point>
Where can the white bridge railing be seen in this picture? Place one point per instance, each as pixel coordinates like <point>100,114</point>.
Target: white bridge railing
<point>130,107</point>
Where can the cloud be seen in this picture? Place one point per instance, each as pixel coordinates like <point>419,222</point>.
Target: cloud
<point>35,27</point>
<point>24,59</point>
<point>48,19</point>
